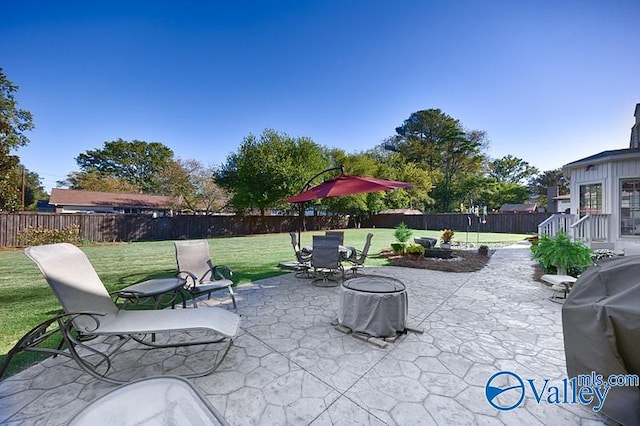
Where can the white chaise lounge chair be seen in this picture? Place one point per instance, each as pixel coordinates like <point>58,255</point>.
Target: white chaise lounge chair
<point>166,400</point>
<point>90,312</point>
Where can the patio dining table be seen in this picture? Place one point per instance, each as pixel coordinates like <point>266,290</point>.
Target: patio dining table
<point>345,251</point>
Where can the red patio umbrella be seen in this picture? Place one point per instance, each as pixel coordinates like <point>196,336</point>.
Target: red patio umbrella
<point>341,185</point>
<point>346,185</point>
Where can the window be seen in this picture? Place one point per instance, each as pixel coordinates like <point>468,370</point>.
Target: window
<point>590,199</point>
<point>630,206</point>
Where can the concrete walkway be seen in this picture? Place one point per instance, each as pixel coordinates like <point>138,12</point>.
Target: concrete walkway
<point>290,366</point>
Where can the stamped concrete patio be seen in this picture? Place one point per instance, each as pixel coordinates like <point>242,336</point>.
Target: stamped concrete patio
<point>291,366</point>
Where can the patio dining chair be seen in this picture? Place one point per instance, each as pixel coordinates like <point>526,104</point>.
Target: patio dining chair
<point>357,257</point>
<point>195,266</point>
<point>303,257</point>
<point>89,312</point>
<point>336,234</point>
<point>325,260</point>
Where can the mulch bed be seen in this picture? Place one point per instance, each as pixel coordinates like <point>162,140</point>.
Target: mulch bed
<point>461,261</point>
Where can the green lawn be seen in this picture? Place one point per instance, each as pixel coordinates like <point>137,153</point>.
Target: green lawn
<point>25,298</point>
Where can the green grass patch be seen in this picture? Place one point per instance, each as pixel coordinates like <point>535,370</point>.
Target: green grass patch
<point>26,300</point>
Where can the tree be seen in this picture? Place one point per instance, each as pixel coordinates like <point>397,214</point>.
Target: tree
<point>511,169</point>
<point>506,193</point>
<point>194,186</point>
<point>433,140</point>
<point>33,190</point>
<point>505,182</point>
<point>9,182</point>
<point>357,205</point>
<point>538,185</point>
<point>383,165</point>
<point>268,169</point>
<point>137,163</point>
<point>95,181</point>
<point>13,123</point>
<point>393,166</point>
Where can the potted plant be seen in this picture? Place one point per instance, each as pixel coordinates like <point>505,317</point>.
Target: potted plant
<point>562,256</point>
<point>483,250</point>
<point>402,234</point>
<point>414,251</point>
<point>445,238</point>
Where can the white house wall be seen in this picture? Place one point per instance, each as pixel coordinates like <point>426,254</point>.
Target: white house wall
<point>609,175</point>
<point>599,173</point>
<point>624,170</point>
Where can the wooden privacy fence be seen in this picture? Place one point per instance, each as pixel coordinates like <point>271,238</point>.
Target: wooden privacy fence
<point>107,227</point>
<point>511,223</point>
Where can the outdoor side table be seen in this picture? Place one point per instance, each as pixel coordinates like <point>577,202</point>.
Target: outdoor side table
<point>153,290</point>
<point>373,304</point>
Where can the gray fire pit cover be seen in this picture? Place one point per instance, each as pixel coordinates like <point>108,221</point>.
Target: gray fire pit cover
<point>374,305</point>
<point>374,284</point>
<point>601,325</point>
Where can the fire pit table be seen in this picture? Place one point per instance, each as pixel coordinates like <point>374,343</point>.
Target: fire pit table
<point>374,305</point>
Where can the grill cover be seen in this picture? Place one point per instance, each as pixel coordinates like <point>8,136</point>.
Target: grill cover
<point>601,326</point>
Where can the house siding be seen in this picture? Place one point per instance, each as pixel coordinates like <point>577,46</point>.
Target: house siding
<point>608,168</point>
<point>623,170</point>
<point>609,175</point>
<point>600,173</point>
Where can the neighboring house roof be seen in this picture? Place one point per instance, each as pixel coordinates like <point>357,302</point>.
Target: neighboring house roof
<point>618,154</point>
<point>518,208</point>
<point>72,197</point>
<point>401,211</point>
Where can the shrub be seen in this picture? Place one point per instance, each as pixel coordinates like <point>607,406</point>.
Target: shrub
<point>33,236</point>
<point>402,233</point>
<point>560,254</point>
<point>414,249</point>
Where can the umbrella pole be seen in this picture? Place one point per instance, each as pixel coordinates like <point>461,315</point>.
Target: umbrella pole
<point>300,223</point>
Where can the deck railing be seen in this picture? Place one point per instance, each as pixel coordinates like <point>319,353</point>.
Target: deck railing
<point>588,229</point>
<point>591,228</point>
<point>556,223</point>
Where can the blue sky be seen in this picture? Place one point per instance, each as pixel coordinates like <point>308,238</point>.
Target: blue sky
<point>549,81</point>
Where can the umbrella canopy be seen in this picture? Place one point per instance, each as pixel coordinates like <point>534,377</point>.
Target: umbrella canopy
<point>346,185</point>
